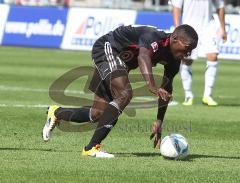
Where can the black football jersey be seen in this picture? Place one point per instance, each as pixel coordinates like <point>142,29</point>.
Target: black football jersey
<point>128,40</point>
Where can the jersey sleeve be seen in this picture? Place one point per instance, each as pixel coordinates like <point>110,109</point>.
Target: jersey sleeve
<point>218,3</point>
<point>170,72</point>
<point>176,3</point>
<point>147,41</point>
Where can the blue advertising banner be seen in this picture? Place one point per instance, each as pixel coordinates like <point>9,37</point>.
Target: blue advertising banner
<point>35,26</point>
<point>163,20</point>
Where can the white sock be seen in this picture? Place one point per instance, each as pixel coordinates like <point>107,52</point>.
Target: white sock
<point>186,75</point>
<point>210,75</point>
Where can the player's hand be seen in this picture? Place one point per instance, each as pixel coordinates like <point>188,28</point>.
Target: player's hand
<point>223,35</point>
<point>164,94</point>
<point>156,133</point>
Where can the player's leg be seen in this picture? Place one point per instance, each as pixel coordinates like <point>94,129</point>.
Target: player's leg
<point>210,77</point>
<point>186,76</point>
<point>121,92</point>
<point>110,82</point>
<point>51,122</point>
<point>82,114</point>
<point>210,46</point>
<point>57,114</point>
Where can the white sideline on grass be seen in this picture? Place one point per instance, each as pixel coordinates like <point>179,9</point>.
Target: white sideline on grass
<point>173,103</point>
<point>43,90</point>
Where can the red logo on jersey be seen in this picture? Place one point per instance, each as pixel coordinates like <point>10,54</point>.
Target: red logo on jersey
<point>154,46</point>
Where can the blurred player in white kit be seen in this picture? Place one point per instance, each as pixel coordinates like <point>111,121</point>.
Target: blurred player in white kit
<point>199,14</point>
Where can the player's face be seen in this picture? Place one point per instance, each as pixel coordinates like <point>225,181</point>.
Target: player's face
<point>180,49</point>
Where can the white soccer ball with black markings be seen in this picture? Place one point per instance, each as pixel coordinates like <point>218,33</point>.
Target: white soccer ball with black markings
<point>174,146</point>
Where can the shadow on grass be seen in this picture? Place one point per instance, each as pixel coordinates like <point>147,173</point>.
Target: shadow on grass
<point>198,156</point>
<point>120,154</point>
<point>29,149</point>
<point>190,157</point>
<point>229,105</point>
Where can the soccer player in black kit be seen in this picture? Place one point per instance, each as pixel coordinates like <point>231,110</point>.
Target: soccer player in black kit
<point>115,55</point>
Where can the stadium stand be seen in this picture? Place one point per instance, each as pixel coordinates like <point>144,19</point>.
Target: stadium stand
<point>232,6</point>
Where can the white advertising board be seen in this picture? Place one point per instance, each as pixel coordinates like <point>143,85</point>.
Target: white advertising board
<point>231,49</point>
<point>85,26</point>
<point>4,9</point>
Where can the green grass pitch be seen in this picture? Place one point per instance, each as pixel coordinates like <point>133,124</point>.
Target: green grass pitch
<point>213,133</point>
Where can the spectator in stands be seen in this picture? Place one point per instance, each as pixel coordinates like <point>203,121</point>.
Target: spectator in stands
<point>233,2</point>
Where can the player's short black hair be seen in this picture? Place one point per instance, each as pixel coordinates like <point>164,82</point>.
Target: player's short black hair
<point>187,34</point>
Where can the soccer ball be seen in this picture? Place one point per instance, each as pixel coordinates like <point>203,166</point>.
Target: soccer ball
<point>174,146</point>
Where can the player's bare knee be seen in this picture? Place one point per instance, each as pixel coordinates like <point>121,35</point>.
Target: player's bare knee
<point>129,96</point>
<point>124,98</point>
<point>187,62</point>
<point>95,114</point>
<point>212,57</point>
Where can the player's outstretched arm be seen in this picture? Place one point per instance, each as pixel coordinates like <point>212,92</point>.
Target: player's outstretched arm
<point>167,84</point>
<point>162,108</point>
<point>145,66</point>
<point>167,81</point>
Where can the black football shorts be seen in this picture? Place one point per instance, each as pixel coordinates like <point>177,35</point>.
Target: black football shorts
<point>107,67</point>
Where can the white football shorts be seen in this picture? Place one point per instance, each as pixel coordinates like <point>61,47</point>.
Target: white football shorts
<point>208,40</point>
